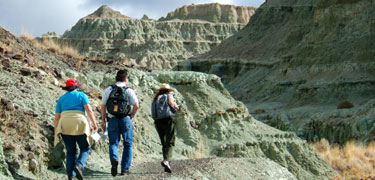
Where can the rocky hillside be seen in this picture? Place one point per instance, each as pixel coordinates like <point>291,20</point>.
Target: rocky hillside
<point>215,13</point>
<point>295,64</point>
<point>154,44</point>
<point>211,124</point>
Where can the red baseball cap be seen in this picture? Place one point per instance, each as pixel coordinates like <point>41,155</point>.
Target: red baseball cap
<point>71,82</point>
<point>70,85</point>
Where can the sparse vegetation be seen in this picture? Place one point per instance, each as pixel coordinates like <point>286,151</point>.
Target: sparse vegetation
<point>50,45</point>
<point>351,161</point>
<point>61,49</point>
<point>30,38</point>
<point>345,105</point>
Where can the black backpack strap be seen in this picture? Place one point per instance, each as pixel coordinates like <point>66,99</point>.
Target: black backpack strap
<point>113,86</point>
<point>156,111</point>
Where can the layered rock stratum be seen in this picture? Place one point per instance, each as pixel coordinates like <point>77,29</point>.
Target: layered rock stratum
<point>211,125</point>
<point>151,44</point>
<point>296,61</point>
<point>215,13</point>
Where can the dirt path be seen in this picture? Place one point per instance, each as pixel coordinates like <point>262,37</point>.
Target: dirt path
<point>207,168</point>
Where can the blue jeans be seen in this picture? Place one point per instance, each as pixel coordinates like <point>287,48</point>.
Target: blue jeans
<point>84,150</point>
<point>116,128</point>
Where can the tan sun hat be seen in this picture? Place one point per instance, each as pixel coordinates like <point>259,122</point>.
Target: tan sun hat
<point>164,86</point>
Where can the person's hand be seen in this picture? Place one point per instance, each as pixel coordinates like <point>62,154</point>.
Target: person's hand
<point>95,127</point>
<point>103,125</point>
<point>177,108</point>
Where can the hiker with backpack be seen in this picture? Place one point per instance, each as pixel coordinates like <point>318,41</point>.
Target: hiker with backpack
<point>72,124</point>
<point>163,108</point>
<point>117,101</point>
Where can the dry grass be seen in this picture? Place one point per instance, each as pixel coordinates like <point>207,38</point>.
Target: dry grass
<point>30,38</point>
<point>61,49</point>
<point>50,45</point>
<point>352,161</point>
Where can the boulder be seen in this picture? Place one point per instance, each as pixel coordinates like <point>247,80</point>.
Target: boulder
<point>5,63</point>
<point>25,72</point>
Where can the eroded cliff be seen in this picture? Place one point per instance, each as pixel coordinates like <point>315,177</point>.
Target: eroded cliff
<point>154,44</point>
<point>296,61</point>
<point>215,13</point>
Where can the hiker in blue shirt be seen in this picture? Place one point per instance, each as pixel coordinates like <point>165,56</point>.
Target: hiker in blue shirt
<point>120,118</point>
<point>72,124</point>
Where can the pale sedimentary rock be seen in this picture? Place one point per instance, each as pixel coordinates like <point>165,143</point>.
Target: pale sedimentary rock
<point>154,44</point>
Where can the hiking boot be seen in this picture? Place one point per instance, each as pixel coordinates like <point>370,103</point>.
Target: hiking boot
<point>114,168</point>
<point>70,177</point>
<point>123,172</point>
<point>78,170</point>
<point>167,167</point>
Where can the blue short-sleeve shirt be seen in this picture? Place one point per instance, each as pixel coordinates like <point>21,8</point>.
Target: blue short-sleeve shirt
<point>73,100</point>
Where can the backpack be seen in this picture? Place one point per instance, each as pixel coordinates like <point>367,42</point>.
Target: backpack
<point>161,109</point>
<point>118,102</point>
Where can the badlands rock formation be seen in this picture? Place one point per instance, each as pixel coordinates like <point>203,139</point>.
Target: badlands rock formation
<point>155,44</point>
<point>297,60</point>
<point>216,13</point>
<point>210,123</point>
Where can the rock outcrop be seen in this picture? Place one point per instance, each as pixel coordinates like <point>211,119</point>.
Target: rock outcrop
<point>106,12</point>
<point>207,126</point>
<point>149,44</point>
<point>215,13</point>
<point>297,60</point>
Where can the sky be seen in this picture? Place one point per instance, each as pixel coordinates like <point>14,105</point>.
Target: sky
<point>36,17</point>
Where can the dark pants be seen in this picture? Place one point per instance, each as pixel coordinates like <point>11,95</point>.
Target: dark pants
<point>166,130</point>
<point>84,150</point>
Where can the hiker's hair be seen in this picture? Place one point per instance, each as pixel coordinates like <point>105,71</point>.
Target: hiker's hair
<point>162,91</point>
<point>121,75</point>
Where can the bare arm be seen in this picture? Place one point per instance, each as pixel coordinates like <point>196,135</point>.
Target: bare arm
<point>57,118</point>
<point>104,116</point>
<point>91,116</point>
<point>135,109</point>
<point>173,104</point>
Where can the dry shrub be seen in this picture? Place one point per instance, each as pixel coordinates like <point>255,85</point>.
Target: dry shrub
<point>64,50</point>
<point>70,52</point>
<point>30,38</point>
<point>345,105</point>
<point>50,46</point>
<point>352,161</point>
<point>27,37</point>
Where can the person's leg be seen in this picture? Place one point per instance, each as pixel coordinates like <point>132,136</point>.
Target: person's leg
<point>84,150</point>
<point>114,141</point>
<point>70,144</point>
<point>170,137</point>
<point>126,126</point>
<point>114,138</point>
<point>160,128</point>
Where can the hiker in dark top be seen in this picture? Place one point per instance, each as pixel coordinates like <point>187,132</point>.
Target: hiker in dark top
<point>163,108</point>
<point>119,124</point>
